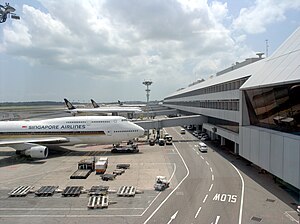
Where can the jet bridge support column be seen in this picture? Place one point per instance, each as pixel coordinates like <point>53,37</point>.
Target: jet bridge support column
<point>236,148</point>
<point>222,141</point>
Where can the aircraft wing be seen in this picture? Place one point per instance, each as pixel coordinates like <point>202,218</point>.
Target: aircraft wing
<point>45,140</point>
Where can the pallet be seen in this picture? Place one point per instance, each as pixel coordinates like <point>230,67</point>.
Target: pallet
<point>20,191</point>
<point>80,174</point>
<point>46,191</point>
<point>98,202</point>
<point>72,191</point>
<point>126,191</point>
<point>98,190</point>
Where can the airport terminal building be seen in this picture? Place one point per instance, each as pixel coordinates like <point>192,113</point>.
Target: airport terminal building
<point>253,108</point>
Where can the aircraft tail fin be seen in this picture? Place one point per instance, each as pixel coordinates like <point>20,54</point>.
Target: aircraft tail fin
<point>120,103</point>
<point>69,104</point>
<point>95,105</point>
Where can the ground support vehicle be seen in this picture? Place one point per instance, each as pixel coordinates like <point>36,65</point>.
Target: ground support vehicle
<point>123,166</point>
<point>72,191</point>
<point>161,142</point>
<point>126,191</point>
<point>118,171</point>
<point>101,165</point>
<point>169,140</point>
<point>130,148</point>
<point>202,147</point>
<point>98,190</point>
<point>161,183</point>
<point>20,191</point>
<point>46,191</point>
<point>107,177</point>
<point>99,201</point>
<point>151,142</point>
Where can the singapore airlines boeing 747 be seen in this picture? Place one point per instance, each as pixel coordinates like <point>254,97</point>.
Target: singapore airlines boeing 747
<point>73,110</point>
<point>32,138</point>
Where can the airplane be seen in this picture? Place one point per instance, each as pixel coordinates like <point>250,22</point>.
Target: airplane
<point>121,106</point>
<point>73,110</point>
<point>7,10</point>
<point>32,138</point>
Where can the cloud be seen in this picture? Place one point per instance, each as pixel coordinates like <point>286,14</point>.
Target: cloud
<point>255,18</point>
<point>125,40</point>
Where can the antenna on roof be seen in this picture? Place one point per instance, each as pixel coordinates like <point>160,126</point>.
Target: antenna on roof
<point>267,48</point>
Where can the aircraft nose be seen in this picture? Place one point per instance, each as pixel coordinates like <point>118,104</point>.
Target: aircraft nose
<point>141,131</point>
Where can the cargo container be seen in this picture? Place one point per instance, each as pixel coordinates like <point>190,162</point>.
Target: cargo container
<point>101,165</point>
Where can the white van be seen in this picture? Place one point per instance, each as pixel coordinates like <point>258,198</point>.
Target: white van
<point>182,131</point>
<point>202,147</point>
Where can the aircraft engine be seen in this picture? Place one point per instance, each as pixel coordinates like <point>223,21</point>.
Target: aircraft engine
<point>37,152</point>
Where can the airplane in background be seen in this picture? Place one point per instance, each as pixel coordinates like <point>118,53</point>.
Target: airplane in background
<point>73,110</point>
<point>121,105</point>
<point>32,138</point>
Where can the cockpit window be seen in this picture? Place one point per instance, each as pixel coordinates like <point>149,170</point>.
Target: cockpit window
<point>124,120</point>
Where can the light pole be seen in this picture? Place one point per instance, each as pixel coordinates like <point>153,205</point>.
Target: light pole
<point>147,83</point>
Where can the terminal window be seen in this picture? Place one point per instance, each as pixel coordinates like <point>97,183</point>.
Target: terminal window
<point>275,107</point>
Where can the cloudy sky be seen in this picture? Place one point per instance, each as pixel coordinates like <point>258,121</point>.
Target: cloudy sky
<point>106,49</point>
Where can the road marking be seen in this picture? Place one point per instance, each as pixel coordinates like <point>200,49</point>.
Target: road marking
<point>211,187</point>
<point>174,170</point>
<point>194,149</point>
<point>173,217</point>
<point>161,204</point>
<point>290,216</point>
<point>207,163</point>
<point>212,177</point>
<point>197,153</point>
<point>160,192</point>
<point>217,219</point>
<point>205,198</point>
<point>197,212</point>
<point>242,196</point>
<point>225,197</point>
<point>211,170</point>
<point>61,209</point>
<point>64,216</point>
<point>201,157</point>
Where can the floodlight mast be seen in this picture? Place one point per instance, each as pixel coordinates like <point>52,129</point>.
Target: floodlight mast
<point>147,83</point>
<point>6,11</point>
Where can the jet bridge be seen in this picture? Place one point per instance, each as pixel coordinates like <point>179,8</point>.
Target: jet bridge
<point>172,122</point>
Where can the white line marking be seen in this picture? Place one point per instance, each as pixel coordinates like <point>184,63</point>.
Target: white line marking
<point>61,209</point>
<point>242,197</point>
<point>211,187</point>
<point>205,198</point>
<point>64,216</point>
<point>197,212</point>
<point>173,172</point>
<point>201,157</point>
<point>207,163</point>
<point>194,149</point>
<point>161,204</point>
<point>159,192</point>
<point>197,153</point>
<point>211,170</point>
<point>173,217</point>
<point>217,219</point>
<point>212,177</point>
<point>290,217</point>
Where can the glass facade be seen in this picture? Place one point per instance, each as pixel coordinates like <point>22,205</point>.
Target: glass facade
<point>227,86</point>
<point>275,108</point>
<point>212,104</point>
